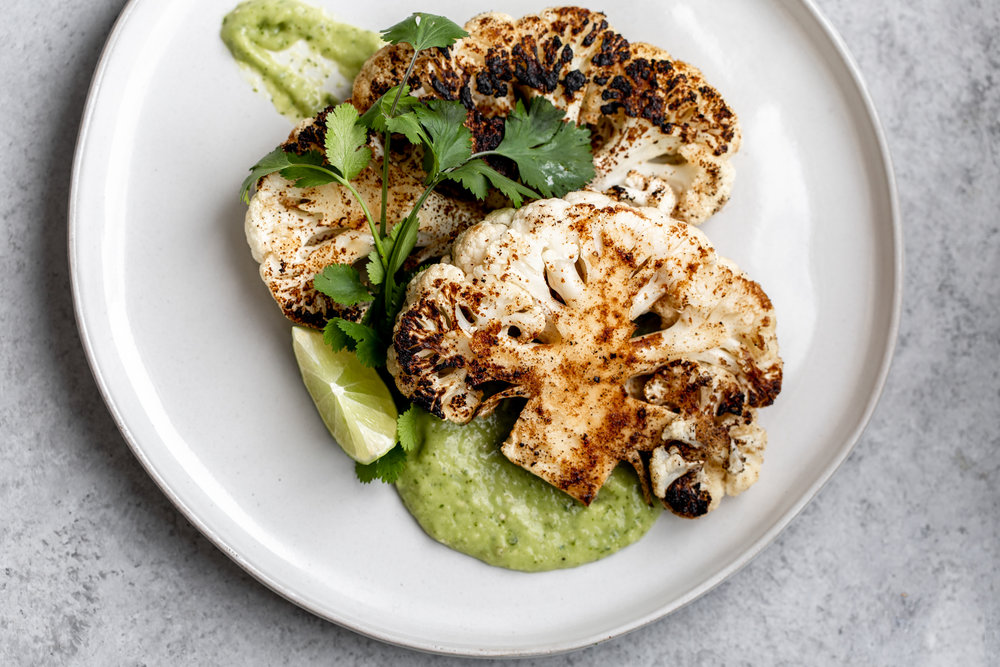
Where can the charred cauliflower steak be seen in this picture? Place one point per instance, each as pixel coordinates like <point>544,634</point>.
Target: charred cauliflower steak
<point>630,338</point>
<point>661,135</point>
<point>294,233</point>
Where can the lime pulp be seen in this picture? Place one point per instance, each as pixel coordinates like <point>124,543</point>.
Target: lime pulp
<point>352,399</point>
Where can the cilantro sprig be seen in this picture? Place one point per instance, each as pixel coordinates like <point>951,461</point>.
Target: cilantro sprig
<point>424,31</point>
<point>552,157</point>
<point>409,436</point>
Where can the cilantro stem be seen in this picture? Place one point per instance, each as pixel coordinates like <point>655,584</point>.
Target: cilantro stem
<point>430,188</point>
<point>368,216</point>
<point>388,134</point>
<point>399,252</point>
<point>364,207</point>
<point>402,84</point>
<point>385,185</point>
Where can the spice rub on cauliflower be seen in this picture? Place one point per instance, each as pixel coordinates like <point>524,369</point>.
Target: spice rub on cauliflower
<point>544,303</point>
<point>662,136</point>
<point>294,233</point>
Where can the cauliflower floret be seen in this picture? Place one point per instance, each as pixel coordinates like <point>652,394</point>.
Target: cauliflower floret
<point>294,233</point>
<point>656,124</point>
<point>543,304</point>
<point>658,119</point>
<point>714,443</point>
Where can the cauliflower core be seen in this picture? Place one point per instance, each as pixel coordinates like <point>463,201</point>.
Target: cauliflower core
<point>661,135</point>
<point>629,337</point>
<point>294,233</point>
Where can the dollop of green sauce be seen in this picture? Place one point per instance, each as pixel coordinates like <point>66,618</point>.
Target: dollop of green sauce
<point>466,495</point>
<point>258,31</point>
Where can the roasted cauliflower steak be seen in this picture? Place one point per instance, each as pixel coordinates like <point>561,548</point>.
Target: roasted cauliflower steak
<point>628,336</point>
<point>662,136</point>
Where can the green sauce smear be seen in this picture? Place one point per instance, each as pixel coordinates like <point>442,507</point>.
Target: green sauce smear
<point>260,35</point>
<point>466,495</point>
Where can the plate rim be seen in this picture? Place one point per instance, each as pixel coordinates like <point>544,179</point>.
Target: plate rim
<point>887,347</point>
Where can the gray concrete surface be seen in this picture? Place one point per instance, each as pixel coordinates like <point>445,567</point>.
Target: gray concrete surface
<point>894,562</point>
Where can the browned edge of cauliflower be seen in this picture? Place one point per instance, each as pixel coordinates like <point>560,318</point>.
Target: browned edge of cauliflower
<point>662,136</point>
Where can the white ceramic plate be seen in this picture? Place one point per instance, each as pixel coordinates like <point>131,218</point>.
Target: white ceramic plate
<point>195,362</point>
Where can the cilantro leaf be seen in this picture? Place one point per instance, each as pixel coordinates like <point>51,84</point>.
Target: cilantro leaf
<point>394,234</point>
<point>451,141</point>
<point>533,126</point>
<point>307,176</point>
<point>345,141</point>
<point>342,283</point>
<point>399,243</point>
<point>334,337</point>
<point>424,31</point>
<point>274,161</point>
<point>366,472</point>
<point>386,468</point>
<point>381,116</point>
<point>396,299</point>
<point>367,343</point>
<point>303,170</point>
<point>376,272</point>
<point>409,126</point>
<point>473,176</point>
<point>408,430</point>
<point>510,188</point>
<point>552,156</point>
<point>363,340</point>
<point>307,170</point>
<point>403,240</point>
<point>391,464</point>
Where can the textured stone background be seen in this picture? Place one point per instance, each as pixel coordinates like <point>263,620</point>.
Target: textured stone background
<point>895,562</point>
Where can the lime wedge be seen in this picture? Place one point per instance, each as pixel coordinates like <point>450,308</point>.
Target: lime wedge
<point>352,399</point>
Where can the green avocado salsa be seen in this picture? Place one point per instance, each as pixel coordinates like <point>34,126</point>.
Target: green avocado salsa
<point>466,495</point>
<point>257,31</point>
